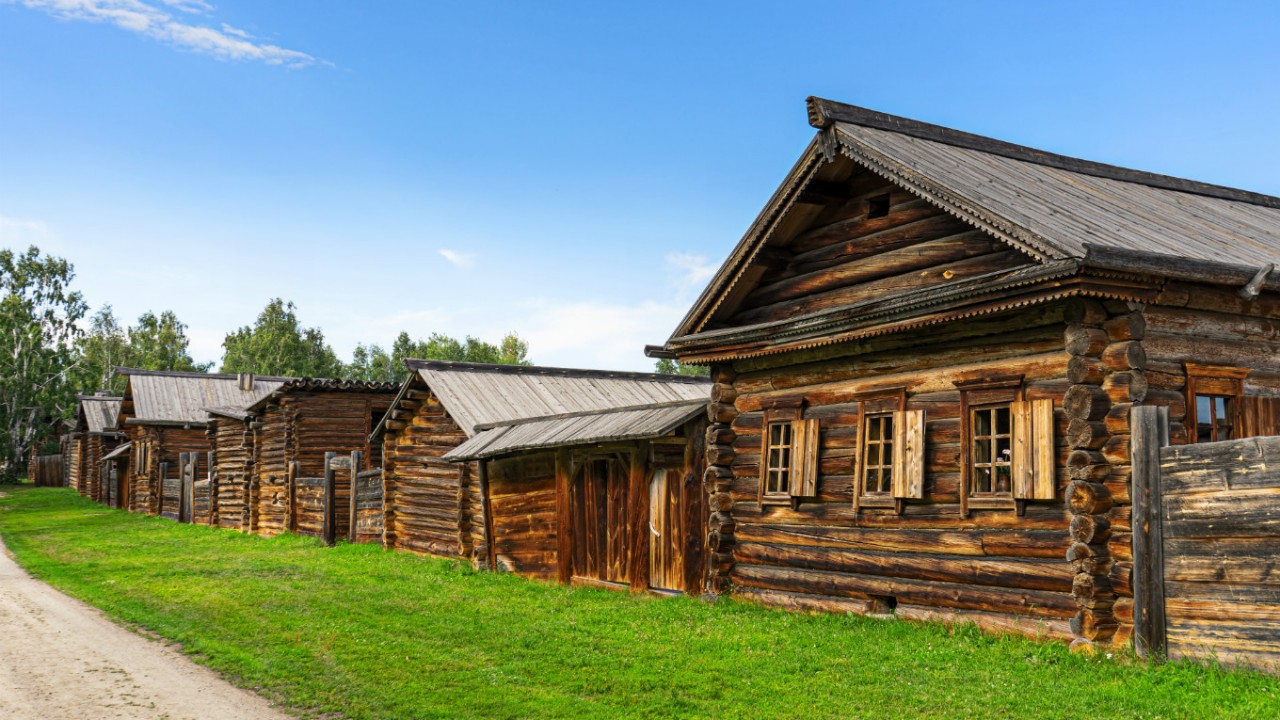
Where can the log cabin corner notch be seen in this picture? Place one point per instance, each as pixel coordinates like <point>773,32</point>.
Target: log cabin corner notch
<point>438,506</point>
<point>1010,307</point>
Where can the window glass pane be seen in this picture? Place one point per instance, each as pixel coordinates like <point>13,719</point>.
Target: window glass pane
<point>1002,420</point>
<point>1003,482</point>
<point>982,451</point>
<point>886,480</point>
<point>982,480</point>
<point>1204,418</point>
<point>1003,452</point>
<point>982,422</point>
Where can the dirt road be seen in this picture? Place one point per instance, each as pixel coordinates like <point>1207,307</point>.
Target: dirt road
<point>61,659</point>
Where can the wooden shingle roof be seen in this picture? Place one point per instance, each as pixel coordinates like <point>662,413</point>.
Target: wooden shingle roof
<point>99,413</point>
<point>476,394</point>
<point>183,398</point>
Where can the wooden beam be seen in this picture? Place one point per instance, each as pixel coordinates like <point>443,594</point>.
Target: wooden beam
<point>1150,433</point>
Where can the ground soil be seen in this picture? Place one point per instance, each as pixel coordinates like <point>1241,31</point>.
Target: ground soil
<point>62,660</point>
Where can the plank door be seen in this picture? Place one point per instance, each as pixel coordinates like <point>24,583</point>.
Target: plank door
<point>599,507</point>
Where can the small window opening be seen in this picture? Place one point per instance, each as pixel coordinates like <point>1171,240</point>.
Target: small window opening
<point>878,206</point>
<point>778,470</point>
<point>1214,418</point>
<point>883,604</point>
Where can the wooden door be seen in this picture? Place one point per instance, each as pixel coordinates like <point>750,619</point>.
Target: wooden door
<point>599,508</point>
<point>666,536</point>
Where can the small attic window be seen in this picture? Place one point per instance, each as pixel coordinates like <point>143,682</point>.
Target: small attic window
<point>878,206</point>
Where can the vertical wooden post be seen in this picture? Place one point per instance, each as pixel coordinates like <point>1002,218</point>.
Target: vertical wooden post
<point>291,497</point>
<point>213,490</point>
<point>355,471</point>
<point>638,517</point>
<point>329,531</point>
<point>486,507</point>
<point>163,471</point>
<point>564,516</point>
<point>1150,428</point>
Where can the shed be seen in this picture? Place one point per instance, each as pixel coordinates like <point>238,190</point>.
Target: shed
<point>619,493</point>
<point>163,414</point>
<point>295,427</point>
<point>926,349</point>
<point>436,506</point>
<point>96,434</point>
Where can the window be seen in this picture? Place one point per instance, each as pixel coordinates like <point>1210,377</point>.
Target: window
<point>877,454</point>
<point>878,206</point>
<point>788,455</point>
<point>991,452</point>
<point>1214,402</point>
<point>1007,447</point>
<point>890,455</point>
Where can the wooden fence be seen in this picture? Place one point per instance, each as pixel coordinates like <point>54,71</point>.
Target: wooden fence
<point>46,470</point>
<point>366,507</point>
<point>1206,526</point>
<point>322,506</point>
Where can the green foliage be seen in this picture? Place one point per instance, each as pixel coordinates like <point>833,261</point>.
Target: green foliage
<point>38,329</point>
<point>373,363</point>
<point>358,632</point>
<point>667,366</point>
<point>155,343</point>
<point>276,344</point>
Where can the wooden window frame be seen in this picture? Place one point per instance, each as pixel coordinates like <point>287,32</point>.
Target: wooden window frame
<point>890,401</point>
<point>1215,381</point>
<point>1032,467</point>
<point>802,453</point>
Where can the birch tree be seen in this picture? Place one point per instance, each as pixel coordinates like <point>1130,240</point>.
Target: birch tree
<point>38,328</point>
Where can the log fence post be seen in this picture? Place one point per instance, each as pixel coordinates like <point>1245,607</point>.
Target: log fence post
<point>1150,433</point>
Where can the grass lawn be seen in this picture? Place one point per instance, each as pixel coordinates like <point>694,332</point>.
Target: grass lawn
<point>358,632</point>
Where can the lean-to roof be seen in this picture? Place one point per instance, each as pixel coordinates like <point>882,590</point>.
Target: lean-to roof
<point>584,428</point>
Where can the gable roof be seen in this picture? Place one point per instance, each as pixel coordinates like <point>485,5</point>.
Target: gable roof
<point>182,398</point>
<point>581,428</point>
<point>99,412</point>
<point>476,394</point>
<point>1055,208</point>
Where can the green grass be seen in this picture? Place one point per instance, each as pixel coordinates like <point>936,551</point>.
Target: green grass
<point>358,632</point>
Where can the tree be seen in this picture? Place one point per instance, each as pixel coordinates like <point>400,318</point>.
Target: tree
<point>155,343</point>
<point>38,327</point>
<point>103,348</point>
<point>373,363</point>
<point>160,343</point>
<point>668,366</point>
<point>277,344</point>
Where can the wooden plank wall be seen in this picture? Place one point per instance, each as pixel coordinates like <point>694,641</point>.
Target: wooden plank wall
<point>522,497</point>
<point>431,505</point>
<point>1221,526</point>
<point>1145,363</point>
<point>994,567</point>
<point>233,467</point>
<point>369,513</point>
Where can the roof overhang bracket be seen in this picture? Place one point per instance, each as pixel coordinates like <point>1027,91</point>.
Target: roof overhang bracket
<point>1254,287</point>
<point>828,143</point>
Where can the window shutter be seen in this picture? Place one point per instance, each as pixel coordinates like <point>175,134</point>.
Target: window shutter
<point>1034,474</point>
<point>1259,416</point>
<point>804,458</point>
<point>908,454</point>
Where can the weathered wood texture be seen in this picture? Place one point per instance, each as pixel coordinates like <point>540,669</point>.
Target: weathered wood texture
<point>432,506</point>
<point>301,426</point>
<point>931,556</point>
<point>1220,512</point>
<point>233,459</point>
<point>158,444</point>
<point>522,498</point>
<point>46,470</point>
<point>368,507</point>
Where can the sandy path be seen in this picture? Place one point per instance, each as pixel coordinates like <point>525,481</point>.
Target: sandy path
<point>61,659</point>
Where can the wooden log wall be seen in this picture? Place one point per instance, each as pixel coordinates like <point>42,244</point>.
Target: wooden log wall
<point>1145,363</point>
<point>76,468</point>
<point>308,506</point>
<point>274,453</point>
<point>232,442</point>
<point>93,460</point>
<point>432,506</point>
<point>847,257</point>
<point>522,498</point>
<point>930,560</point>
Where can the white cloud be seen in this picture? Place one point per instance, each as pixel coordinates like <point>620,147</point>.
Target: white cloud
<point>16,231</point>
<point>598,335</point>
<point>154,21</point>
<point>462,260</point>
<point>690,273</point>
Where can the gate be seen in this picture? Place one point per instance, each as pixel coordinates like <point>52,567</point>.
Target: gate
<point>321,506</point>
<point>171,491</point>
<point>1206,523</point>
<point>366,506</point>
<point>202,492</point>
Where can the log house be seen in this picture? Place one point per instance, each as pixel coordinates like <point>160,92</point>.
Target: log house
<point>436,506</point>
<point>925,351</point>
<point>164,415</point>
<point>293,428</point>
<point>96,435</point>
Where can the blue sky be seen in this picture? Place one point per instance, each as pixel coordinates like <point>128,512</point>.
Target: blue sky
<point>570,171</point>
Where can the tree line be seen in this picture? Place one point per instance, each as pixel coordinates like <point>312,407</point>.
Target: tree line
<point>51,349</point>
